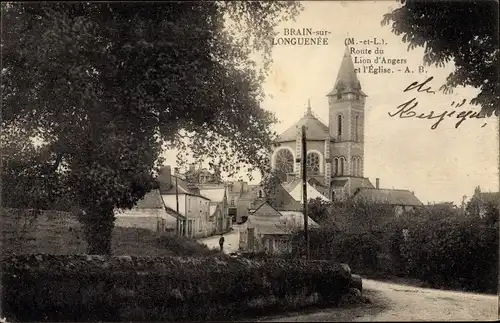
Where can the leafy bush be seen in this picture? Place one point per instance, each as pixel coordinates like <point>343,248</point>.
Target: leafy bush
<point>453,253</point>
<point>90,288</point>
<point>438,246</point>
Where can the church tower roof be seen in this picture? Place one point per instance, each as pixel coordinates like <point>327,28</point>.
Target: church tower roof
<point>316,130</point>
<point>347,80</point>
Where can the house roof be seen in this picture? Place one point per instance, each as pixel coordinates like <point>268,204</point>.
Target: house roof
<point>339,183</point>
<point>316,130</point>
<point>314,181</point>
<point>152,200</point>
<point>288,186</point>
<point>174,213</point>
<point>213,194</point>
<point>312,193</point>
<point>283,200</point>
<point>183,187</point>
<point>388,196</point>
<point>250,194</point>
<point>267,225</point>
<point>268,220</point>
<point>263,206</point>
<point>297,219</point>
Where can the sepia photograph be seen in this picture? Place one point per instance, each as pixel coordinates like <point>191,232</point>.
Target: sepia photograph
<point>272,161</point>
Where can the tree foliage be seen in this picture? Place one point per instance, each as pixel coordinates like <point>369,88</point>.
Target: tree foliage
<point>463,31</point>
<point>359,215</point>
<point>319,210</point>
<point>104,86</point>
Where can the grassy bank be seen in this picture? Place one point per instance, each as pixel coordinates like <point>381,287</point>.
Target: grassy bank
<point>54,232</point>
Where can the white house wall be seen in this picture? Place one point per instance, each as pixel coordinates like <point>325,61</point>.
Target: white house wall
<point>144,218</point>
<point>169,201</point>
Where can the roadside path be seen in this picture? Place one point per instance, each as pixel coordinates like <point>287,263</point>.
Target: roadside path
<point>231,240</point>
<point>394,302</point>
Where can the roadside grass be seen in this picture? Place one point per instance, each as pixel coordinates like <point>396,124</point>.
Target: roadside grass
<point>64,235</point>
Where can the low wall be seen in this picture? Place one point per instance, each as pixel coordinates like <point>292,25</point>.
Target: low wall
<point>96,288</point>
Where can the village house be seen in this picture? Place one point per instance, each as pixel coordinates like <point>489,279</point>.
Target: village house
<point>269,230</point>
<point>239,199</point>
<point>149,213</point>
<point>402,201</point>
<point>481,201</point>
<point>219,217</point>
<point>193,207</point>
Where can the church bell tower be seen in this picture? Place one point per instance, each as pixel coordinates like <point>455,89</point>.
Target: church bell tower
<point>346,121</point>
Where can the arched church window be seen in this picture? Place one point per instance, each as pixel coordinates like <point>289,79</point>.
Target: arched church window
<point>339,126</point>
<point>313,163</point>
<point>333,195</point>
<point>354,169</point>
<point>335,166</point>
<point>284,161</point>
<point>342,162</point>
<point>356,128</point>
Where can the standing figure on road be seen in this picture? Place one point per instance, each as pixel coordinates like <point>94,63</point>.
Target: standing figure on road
<point>221,242</point>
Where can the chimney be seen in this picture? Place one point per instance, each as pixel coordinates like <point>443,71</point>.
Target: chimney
<point>377,183</point>
<point>165,178</point>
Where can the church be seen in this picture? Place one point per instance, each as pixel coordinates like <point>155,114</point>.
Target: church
<point>335,152</point>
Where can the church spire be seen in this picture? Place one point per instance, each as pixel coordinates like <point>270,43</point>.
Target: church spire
<point>308,111</point>
<point>347,80</point>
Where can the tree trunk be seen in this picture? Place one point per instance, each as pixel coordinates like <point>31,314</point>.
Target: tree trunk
<point>98,223</point>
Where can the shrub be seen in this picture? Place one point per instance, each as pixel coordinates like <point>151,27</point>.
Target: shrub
<point>90,288</point>
<point>453,253</point>
<point>442,249</point>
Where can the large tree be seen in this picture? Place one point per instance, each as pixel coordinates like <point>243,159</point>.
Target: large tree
<point>105,85</point>
<point>460,30</point>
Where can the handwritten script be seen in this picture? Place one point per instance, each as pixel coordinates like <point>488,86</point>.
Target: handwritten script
<point>407,109</point>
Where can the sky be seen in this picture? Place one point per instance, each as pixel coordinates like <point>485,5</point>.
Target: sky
<point>439,165</point>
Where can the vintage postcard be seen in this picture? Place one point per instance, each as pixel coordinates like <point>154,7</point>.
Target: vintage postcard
<point>250,160</point>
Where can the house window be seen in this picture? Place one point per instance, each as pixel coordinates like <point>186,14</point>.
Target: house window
<point>333,195</point>
<point>232,201</point>
<point>339,96</point>
<point>260,194</point>
<point>339,126</point>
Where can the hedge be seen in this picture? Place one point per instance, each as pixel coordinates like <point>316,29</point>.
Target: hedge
<point>451,253</point>
<point>91,288</point>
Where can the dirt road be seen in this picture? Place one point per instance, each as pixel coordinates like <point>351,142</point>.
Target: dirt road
<point>231,241</point>
<point>393,302</point>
